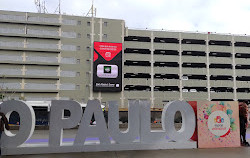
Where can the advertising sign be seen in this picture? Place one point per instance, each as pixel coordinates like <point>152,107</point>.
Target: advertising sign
<point>107,67</point>
<point>218,124</point>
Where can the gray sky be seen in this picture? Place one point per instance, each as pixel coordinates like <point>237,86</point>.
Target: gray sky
<point>220,16</point>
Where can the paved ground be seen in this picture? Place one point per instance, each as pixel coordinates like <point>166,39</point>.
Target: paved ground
<point>242,152</point>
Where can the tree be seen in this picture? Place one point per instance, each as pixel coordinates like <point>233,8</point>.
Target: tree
<point>3,91</point>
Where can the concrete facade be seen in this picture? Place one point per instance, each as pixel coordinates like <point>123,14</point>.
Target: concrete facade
<point>49,56</point>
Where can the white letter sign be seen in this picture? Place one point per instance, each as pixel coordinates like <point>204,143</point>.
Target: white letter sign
<point>132,132</point>
<point>27,123</point>
<point>58,122</point>
<point>188,120</point>
<point>90,138</point>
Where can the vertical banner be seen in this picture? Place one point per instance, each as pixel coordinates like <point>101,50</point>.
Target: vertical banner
<point>218,124</point>
<point>107,67</point>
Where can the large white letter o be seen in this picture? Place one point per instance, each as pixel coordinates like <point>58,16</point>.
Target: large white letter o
<point>188,120</point>
<point>27,123</point>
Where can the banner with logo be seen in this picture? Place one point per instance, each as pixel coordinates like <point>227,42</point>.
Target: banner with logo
<point>107,67</point>
<point>218,124</point>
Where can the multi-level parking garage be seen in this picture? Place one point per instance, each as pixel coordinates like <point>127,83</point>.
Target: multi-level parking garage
<point>49,56</point>
<point>186,66</point>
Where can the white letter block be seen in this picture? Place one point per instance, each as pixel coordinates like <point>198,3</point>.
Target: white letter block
<point>58,122</point>
<point>148,136</point>
<point>132,132</point>
<point>27,123</point>
<point>86,130</point>
<point>188,120</point>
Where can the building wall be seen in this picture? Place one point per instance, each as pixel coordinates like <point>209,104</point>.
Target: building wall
<point>186,66</point>
<point>48,56</point>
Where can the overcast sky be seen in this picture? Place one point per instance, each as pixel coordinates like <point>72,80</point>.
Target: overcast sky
<point>220,16</point>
